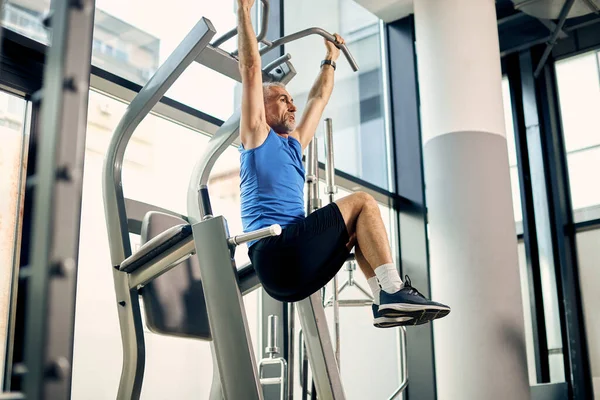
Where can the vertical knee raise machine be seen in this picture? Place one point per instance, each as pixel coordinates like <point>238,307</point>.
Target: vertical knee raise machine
<point>185,271</point>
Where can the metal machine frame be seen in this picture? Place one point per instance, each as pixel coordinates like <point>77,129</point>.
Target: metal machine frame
<point>236,374</point>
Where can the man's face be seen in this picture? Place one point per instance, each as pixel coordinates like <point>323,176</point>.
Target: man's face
<point>280,110</point>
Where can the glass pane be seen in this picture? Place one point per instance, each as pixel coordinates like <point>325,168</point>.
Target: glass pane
<point>512,150</point>
<point>528,318</point>
<point>132,39</point>
<point>12,169</point>
<point>585,189</point>
<point>578,80</point>
<point>25,17</point>
<point>156,170</point>
<point>588,253</point>
<point>356,104</point>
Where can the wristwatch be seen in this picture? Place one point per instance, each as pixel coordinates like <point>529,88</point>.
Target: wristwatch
<point>330,62</point>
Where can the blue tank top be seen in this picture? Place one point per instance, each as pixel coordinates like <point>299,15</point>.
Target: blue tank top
<point>272,183</point>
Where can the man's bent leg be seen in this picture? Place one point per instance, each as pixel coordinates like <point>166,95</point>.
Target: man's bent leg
<point>364,265</point>
<point>363,218</point>
<point>379,320</point>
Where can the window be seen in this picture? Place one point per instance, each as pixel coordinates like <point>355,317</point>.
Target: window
<point>512,150</point>
<point>149,34</point>
<point>356,106</point>
<point>26,16</point>
<point>13,153</point>
<point>156,170</point>
<point>578,80</point>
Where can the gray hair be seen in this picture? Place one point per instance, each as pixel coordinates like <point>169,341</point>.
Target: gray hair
<point>267,88</point>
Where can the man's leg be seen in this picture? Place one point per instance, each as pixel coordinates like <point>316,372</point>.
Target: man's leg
<point>363,219</point>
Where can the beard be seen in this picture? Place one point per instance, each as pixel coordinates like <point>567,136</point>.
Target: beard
<point>285,126</point>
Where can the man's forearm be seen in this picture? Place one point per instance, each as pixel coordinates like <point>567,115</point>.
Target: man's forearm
<point>323,85</point>
<point>247,44</point>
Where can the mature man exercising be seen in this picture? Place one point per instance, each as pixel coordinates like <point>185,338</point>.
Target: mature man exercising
<point>311,249</point>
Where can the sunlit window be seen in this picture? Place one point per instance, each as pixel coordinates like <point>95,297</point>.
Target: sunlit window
<point>578,80</point>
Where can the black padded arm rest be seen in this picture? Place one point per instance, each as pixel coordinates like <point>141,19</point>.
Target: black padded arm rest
<point>247,278</point>
<point>155,247</point>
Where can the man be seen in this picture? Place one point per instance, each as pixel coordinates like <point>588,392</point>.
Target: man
<point>310,250</point>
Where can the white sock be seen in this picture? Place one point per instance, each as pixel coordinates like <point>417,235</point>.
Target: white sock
<point>374,285</point>
<point>388,277</point>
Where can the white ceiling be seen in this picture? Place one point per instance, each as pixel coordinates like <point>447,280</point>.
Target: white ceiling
<point>388,10</point>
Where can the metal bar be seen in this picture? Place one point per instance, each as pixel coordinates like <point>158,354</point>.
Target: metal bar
<point>331,189</point>
<point>270,381</point>
<point>524,110</point>
<point>277,62</point>
<point>272,336</point>
<point>364,291</point>
<point>329,301</point>
<point>164,263</point>
<point>320,349</point>
<point>130,322</point>
<point>261,35</point>
<point>552,28</point>
<point>525,3</point>
<point>12,396</point>
<point>291,348</point>
<point>264,26</point>
<point>224,63</point>
<point>187,51</point>
<point>592,6</point>
<point>219,142</point>
<point>307,32</point>
<point>329,160</point>
<point>273,230</point>
<point>221,61</point>
<point>564,12</point>
<point>228,35</point>
<point>355,303</point>
<point>233,348</point>
<point>1,25</point>
<point>336,321</point>
<point>404,364</point>
<point>54,251</point>
<point>312,177</point>
<point>545,39</point>
<point>303,366</point>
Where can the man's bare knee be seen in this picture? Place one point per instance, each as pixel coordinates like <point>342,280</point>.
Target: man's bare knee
<point>352,205</point>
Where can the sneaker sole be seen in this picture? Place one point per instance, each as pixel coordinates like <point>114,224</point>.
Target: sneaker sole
<point>423,317</point>
<point>403,309</point>
<point>385,322</point>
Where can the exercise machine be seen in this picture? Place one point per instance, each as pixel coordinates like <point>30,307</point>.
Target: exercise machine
<point>188,260</point>
<point>40,350</point>
<point>313,203</point>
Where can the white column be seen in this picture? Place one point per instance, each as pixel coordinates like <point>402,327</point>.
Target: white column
<point>480,346</point>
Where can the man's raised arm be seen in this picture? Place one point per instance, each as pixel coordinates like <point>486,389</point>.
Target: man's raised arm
<point>253,126</point>
<point>319,94</point>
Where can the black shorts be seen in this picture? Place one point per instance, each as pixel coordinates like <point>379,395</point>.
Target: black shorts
<point>306,255</point>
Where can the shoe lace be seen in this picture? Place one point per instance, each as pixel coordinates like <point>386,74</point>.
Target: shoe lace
<point>411,289</point>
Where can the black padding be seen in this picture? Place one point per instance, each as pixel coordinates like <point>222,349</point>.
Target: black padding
<point>156,246</point>
<point>174,302</point>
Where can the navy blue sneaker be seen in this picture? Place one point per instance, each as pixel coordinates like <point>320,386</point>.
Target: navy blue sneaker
<point>408,302</point>
<point>380,321</point>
